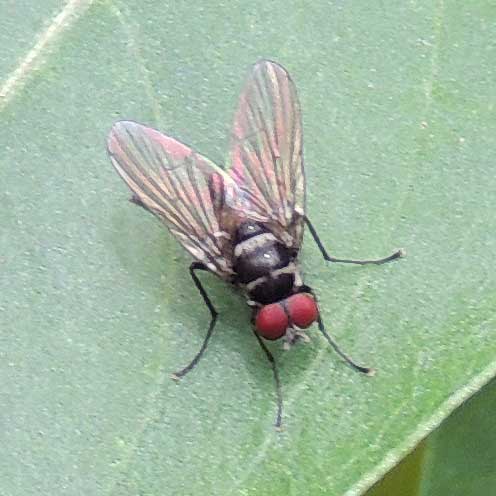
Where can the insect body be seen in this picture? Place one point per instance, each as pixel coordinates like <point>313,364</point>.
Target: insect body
<point>246,224</point>
<point>267,269</point>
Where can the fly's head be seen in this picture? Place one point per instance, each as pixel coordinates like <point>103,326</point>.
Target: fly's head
<point>280,319</point>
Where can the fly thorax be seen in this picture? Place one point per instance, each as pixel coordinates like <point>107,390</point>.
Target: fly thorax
<point>262,263</point>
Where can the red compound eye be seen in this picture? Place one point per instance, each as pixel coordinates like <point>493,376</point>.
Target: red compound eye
<point>302,310</point>
<point>271,321</point>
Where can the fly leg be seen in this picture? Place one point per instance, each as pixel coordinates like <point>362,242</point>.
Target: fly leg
<point>341,353</point>
<point>397,254</point>
<point>359,368</point>
<point>213,313</point>
<point>273,365</point>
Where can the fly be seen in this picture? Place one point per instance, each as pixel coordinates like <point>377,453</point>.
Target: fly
<point>244,225</point>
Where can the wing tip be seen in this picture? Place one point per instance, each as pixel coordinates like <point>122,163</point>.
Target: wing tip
<point>123,124</point>
<point>118,129</point>
<point>263,63</point>
<point>114,131</point>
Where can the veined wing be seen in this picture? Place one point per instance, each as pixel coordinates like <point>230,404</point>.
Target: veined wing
<point>266,149</point>
<point>172,181</point>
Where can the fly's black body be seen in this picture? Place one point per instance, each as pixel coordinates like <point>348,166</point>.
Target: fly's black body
<point>263,265</point>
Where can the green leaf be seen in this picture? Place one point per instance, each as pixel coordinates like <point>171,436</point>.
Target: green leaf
<point>22,22</point>
<point>459,457</point>
<point>404,478</point>
<point>456,459</point>
<point>98,307</point>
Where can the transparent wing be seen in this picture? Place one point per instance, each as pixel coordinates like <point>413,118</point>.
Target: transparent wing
<point>174,183</point>
<point>266,149</point>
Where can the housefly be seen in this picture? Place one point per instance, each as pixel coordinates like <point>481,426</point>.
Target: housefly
<point>244,225</point>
